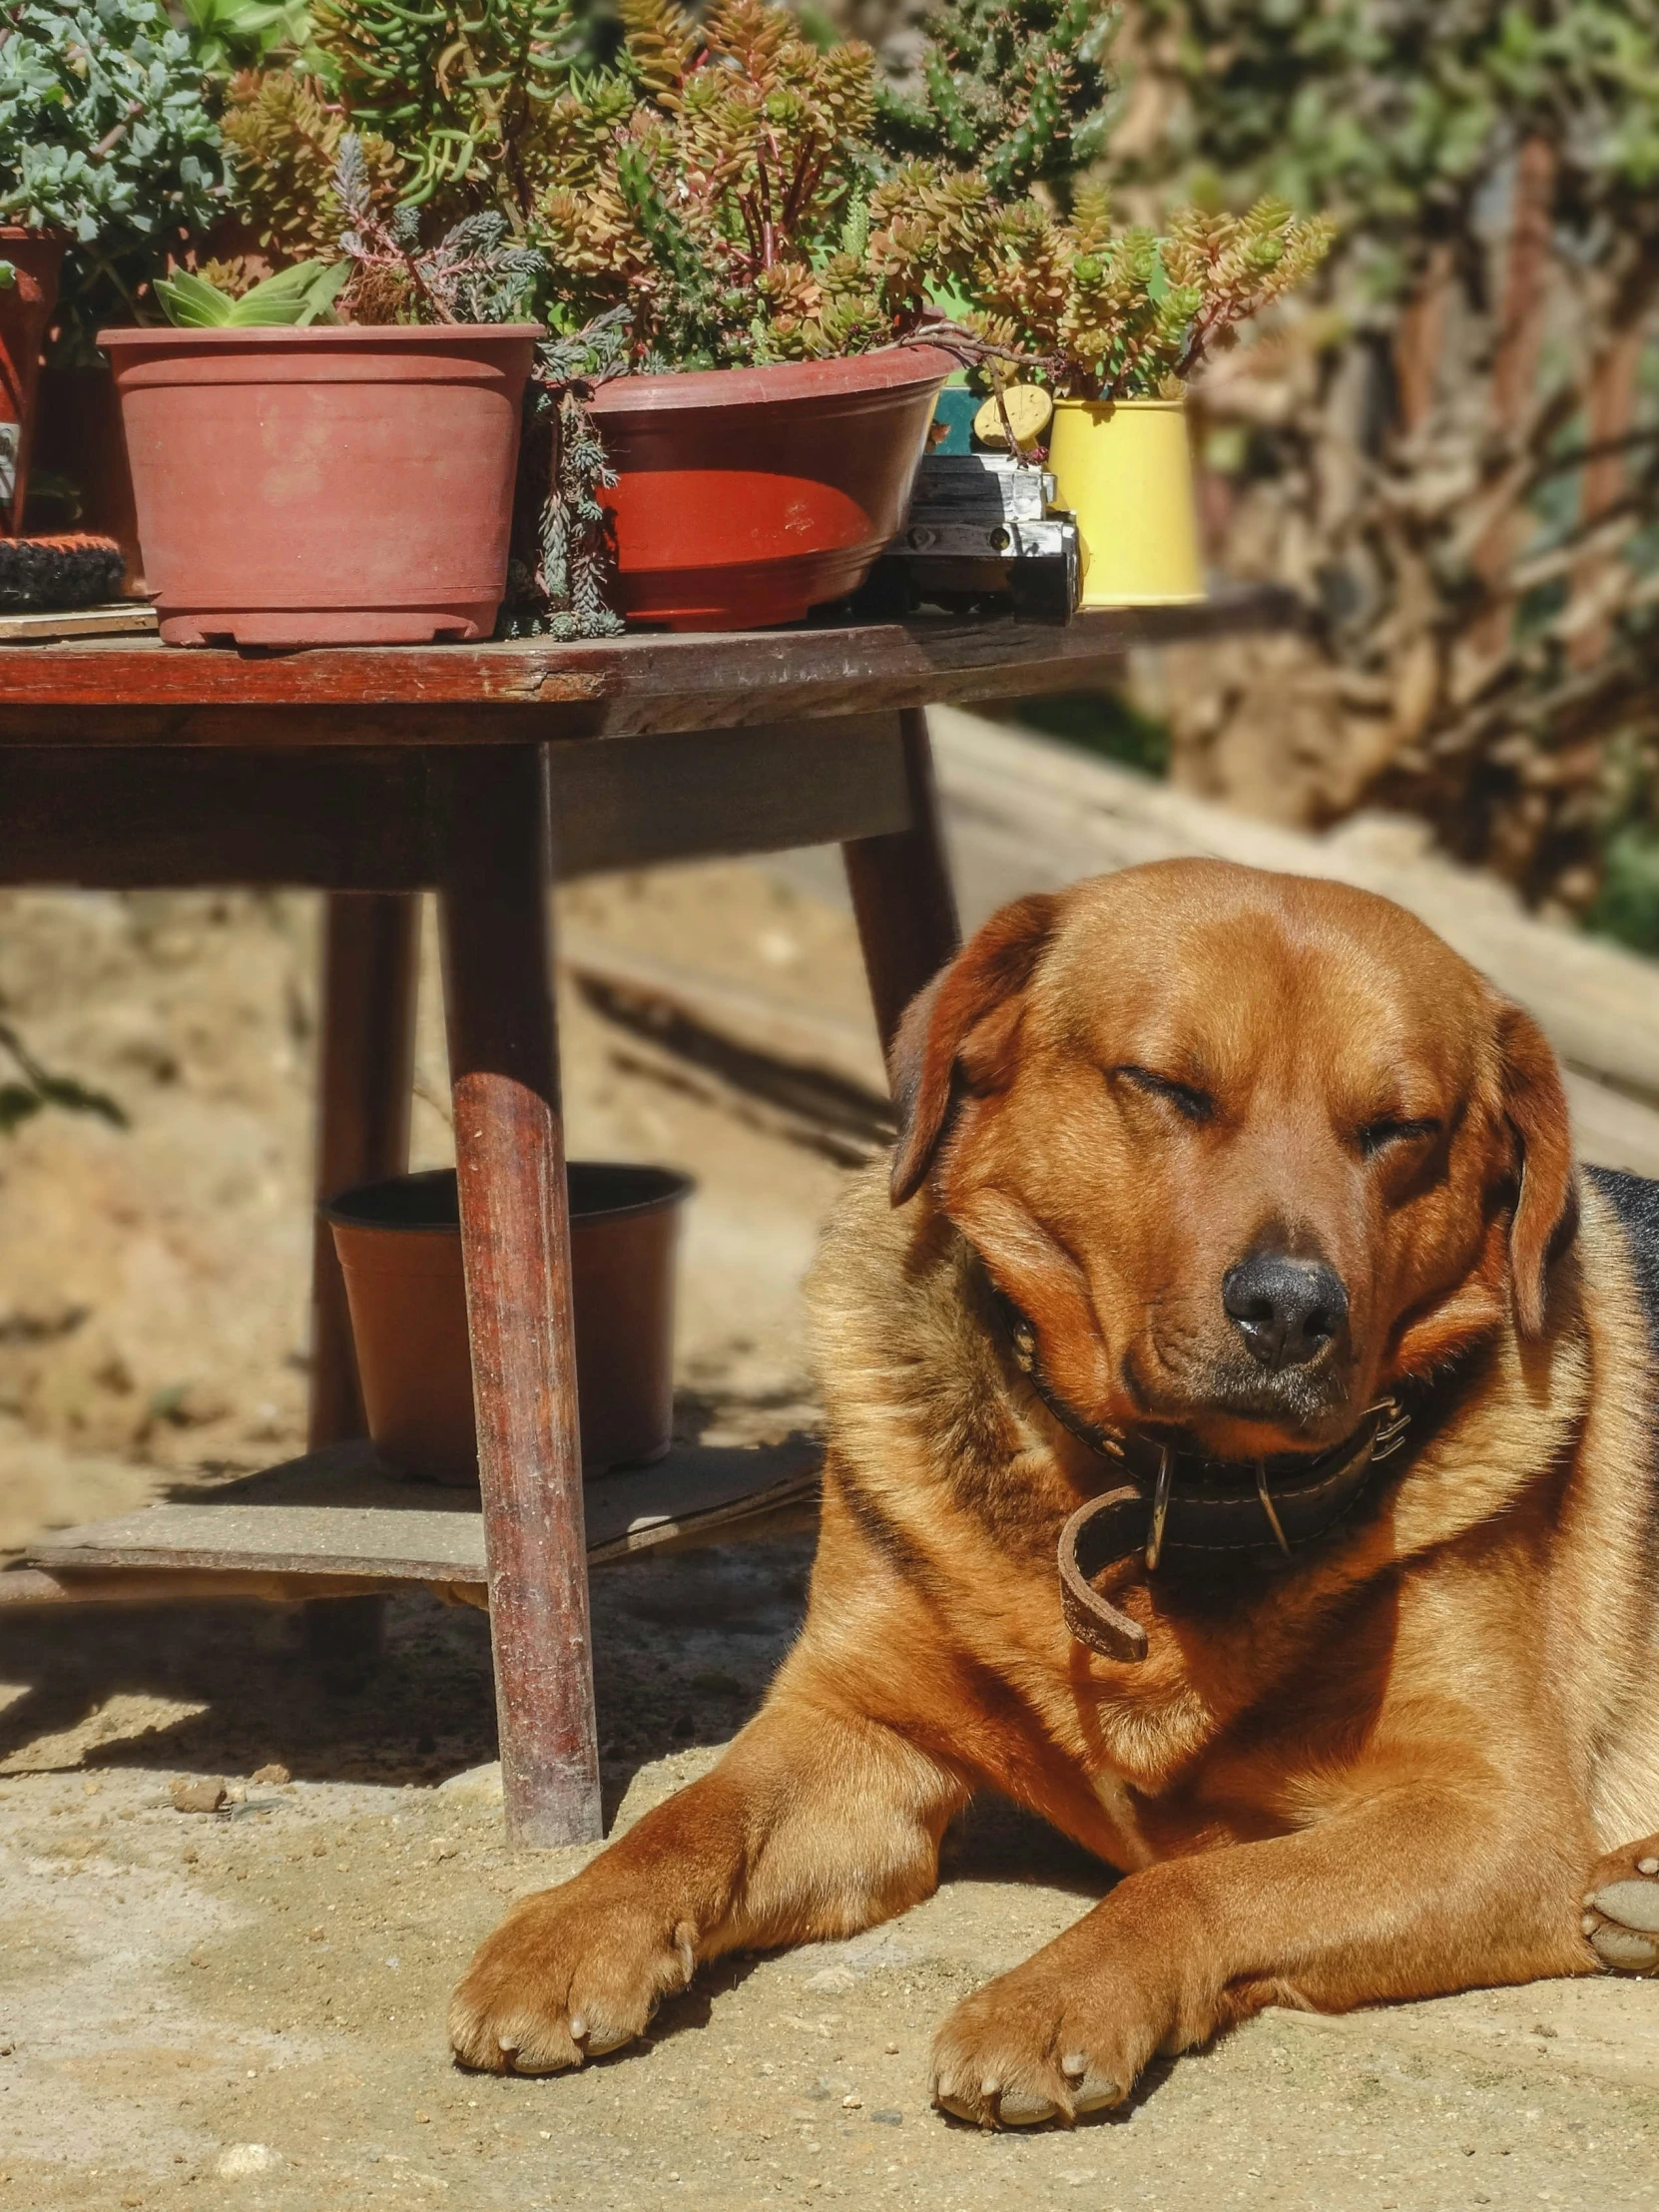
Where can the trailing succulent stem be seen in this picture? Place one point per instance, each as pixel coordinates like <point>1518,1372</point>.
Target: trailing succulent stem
<point>562,555</point>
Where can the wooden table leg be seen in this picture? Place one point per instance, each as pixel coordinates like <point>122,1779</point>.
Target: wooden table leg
<point>492,816</point>
<point>371,969</point>
<point>902,891</point>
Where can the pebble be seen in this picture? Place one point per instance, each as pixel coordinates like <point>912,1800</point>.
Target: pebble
<point>475,1785</point>
<point>197,1794</point>
<point>242,2160</point>
<point>275,1773</point>
<point>852,2102</point>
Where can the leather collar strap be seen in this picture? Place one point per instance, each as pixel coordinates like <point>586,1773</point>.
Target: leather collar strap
<point>1183,1502</point>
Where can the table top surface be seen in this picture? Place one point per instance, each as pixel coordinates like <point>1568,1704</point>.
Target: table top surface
<point>104,689</point>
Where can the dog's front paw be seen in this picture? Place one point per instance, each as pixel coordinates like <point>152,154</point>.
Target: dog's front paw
<point>1621,1907</point>
<point>1046,2042</point>
<point>568,1975</point>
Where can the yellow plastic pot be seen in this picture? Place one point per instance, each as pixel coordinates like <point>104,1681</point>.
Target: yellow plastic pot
<point>1124,467</point>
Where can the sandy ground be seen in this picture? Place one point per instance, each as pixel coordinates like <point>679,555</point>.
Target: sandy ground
<point>244,2008</point>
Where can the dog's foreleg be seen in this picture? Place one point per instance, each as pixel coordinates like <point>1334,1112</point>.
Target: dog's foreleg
<point>817,1823</point>
<point>1414,1884</point>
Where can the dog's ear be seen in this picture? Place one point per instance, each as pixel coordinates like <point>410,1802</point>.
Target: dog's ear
<point>963,1024</point>
<point>1546,1209</point>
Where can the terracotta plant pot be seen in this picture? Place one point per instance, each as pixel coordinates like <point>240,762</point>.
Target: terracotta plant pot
<point>746,496</point>
<point>323,487</point>
<point>26,309</point>
<point>400,1247</point>
<point>1124,467</point>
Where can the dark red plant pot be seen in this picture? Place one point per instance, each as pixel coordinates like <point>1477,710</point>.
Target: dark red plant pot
<point>26,309</point>
<point>347,486</point>
<point>747,496</point>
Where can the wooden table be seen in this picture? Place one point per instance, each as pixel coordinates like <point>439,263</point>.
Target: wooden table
<point>480,772</point>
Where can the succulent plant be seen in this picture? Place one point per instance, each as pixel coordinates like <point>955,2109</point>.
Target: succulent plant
<point>105,132</point>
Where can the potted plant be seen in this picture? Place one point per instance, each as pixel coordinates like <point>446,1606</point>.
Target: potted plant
<point>1115,322</point>
<point>107,155</point>
<point>310,470</point>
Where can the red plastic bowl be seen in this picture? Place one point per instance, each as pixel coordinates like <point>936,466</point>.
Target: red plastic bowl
<point>323,487</point>
<point>746,496</point>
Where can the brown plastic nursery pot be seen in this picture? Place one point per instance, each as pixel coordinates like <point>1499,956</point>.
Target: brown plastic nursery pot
<point>323,487</point>
<point>747,496</point>
<point>399,1250</point>
<point>26,309</point>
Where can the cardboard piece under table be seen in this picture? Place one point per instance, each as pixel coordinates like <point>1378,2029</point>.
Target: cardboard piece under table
<point>478,771</point>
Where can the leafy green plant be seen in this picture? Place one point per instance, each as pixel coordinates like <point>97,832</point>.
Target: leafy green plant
<point>462,87</point>
<point>298,295</point>
<point>105,132</point>
<point>477,273</point>
<point>1017,91</point>
<point>714,185</point>
<point>229,35</point>
<point>1124,314</point>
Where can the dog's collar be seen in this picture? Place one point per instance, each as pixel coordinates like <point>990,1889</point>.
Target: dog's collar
<point>1176,1501</point>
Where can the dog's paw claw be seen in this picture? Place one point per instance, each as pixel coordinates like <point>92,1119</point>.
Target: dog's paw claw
<point>1091,2090</point>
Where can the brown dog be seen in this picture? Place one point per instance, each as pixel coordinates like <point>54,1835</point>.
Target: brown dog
<point>1240,1203</point>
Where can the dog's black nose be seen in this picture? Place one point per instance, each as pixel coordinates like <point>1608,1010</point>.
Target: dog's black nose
<point>1286,1310</point>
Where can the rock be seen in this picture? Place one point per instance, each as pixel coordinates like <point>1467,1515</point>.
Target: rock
<point>242,2160</point>
<point>197,1794</point>
<point>477,1786</point>
<point>275,1773</point>
<point>833,1981</point>
<point>440,1848</point>
<point>852,2102</point>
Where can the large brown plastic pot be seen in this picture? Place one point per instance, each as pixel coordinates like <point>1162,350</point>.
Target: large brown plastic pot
<point>399,1248</point>
<point>746,496</point>
<point>26,308</point>
<point>323,487</point>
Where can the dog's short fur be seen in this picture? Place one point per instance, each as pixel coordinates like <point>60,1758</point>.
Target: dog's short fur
<point>1383,1768</point>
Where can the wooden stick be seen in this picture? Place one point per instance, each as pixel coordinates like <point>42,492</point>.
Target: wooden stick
<point>515,1238</point>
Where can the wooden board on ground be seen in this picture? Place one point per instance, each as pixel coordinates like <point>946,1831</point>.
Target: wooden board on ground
<point>122,617</point>
<point>340,1514</point>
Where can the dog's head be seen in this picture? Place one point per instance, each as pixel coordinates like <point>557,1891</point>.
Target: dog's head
<point>1246,1149</point>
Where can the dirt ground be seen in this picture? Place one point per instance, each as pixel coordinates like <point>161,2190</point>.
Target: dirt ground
<point>244,2008</point>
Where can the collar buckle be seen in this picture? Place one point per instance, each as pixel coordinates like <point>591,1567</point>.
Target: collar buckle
<point>1160,1507</point>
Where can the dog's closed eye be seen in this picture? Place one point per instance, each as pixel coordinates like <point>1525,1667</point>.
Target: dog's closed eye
<point>1187,1099</point>
<point>1394,1129</point>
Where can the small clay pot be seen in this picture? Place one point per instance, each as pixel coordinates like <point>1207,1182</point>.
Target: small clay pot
<point>337,487</point>
<point>746,496</point>
<point>26,308</point>
<point>400,1247</point>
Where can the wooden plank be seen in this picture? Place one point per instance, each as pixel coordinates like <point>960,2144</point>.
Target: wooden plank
<point>726,792</point>
<point>372,820</point>
<point>349,821</point>
<point>111,692</point>
<point>125,618</point>
<point>338,1515</point>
